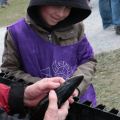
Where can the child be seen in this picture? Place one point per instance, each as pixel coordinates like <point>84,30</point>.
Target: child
<point>49,42</point>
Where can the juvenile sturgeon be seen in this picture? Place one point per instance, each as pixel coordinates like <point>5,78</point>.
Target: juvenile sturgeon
<point>63,93</point>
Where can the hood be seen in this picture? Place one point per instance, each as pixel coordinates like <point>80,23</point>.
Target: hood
<point>79,10</point>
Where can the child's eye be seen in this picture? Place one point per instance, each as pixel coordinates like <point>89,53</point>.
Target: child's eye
<point>68,7</point>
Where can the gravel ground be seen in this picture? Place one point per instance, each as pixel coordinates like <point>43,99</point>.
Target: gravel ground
<point>101,40</point>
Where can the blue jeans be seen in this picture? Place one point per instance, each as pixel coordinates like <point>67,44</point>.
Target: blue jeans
<point>2,2</point>
<point>110,12</point>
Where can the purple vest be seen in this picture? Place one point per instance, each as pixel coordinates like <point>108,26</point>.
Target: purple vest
<point>41,58</point>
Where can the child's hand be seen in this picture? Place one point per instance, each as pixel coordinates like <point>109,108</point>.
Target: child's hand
<point>75,94</point>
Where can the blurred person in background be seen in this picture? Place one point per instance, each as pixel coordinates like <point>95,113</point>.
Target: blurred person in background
<point>3,3</point>
<point>110,14</point>
<point>6,2</point>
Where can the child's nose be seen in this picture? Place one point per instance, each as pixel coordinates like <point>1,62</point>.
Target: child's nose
<point>61,13</point>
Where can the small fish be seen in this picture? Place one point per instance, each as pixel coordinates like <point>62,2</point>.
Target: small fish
<point>63,93</point>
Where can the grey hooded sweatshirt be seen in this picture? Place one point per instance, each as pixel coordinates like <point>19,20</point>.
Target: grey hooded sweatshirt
<point>59,35</point>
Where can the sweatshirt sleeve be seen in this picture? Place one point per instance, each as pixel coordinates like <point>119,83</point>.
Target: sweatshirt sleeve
<point>86,63</point>
<point>11,63</point>
<point>4,104</point>
<point>16,98</point>
<point>11,98</point>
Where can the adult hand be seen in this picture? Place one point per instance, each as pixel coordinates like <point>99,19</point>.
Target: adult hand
<point>53,113</point>
<point>37,91</point>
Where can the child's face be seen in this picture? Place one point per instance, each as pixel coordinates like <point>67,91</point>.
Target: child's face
<point>54,14</point>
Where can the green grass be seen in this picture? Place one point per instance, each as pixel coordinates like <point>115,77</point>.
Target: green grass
<point>107,79</point>
<point>13,12</point>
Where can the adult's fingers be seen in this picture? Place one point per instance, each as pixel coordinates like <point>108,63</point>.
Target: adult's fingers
<point>52,100</point>
<point>65,106</point>
<point>42,87</point>
<point>58,79</point>
<point>50,83</point>
<point>52,110</point>
<point>63,111</point>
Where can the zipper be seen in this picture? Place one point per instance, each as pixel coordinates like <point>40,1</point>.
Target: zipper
<point>50,37</point>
